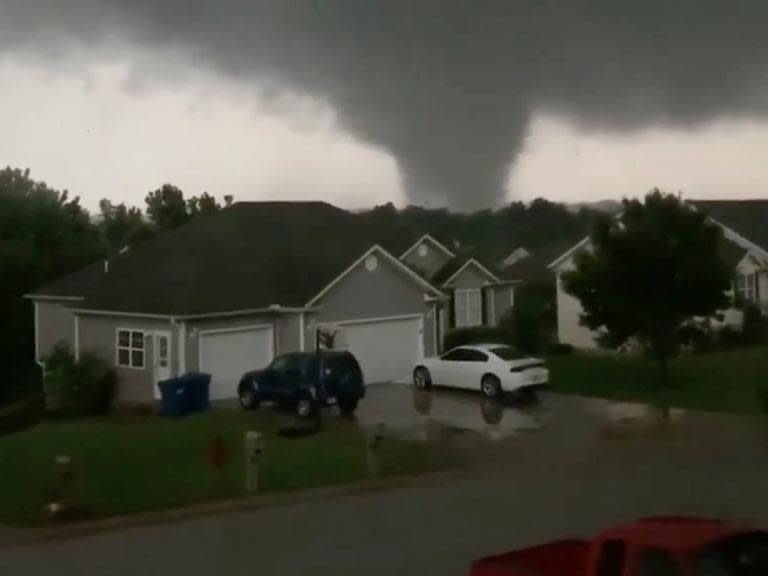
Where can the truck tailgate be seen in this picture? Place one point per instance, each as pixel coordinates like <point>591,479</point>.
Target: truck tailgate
<point>559,558</point>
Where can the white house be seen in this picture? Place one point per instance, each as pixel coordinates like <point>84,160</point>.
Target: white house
<point>745,226</point>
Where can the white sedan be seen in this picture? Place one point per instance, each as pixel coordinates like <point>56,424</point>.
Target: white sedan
<point>491,368</point>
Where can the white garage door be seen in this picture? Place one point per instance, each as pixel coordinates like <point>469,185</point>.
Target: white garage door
<point>386,349</point>
<point>228,354</point>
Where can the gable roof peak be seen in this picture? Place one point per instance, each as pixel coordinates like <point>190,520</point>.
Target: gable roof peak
<point>428,238</point>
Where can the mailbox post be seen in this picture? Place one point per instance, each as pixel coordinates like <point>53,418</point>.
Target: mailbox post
<point>253,447</point>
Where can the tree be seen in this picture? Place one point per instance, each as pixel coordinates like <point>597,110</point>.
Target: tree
<point>203,204</point>
<point>166,207</point>
<point>121,226</point>
<point>43,234</point>
<point>649,272</point>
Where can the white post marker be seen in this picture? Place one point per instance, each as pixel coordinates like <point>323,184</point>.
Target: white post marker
<point>253,447</point>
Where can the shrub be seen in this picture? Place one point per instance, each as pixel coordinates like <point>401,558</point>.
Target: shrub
<point>532,320</point>
<point>755,327</point>
<point>559,349</point>
<point>477,335</point>
<point>78,387</point>
<point>21,414</point>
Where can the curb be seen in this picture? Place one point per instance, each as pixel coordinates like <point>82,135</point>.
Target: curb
<point>33,536</point>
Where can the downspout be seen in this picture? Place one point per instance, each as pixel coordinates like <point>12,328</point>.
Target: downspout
<point>301,332</point>
<point>182,338</point>
<point>77,337</point>
<point>38,361</point>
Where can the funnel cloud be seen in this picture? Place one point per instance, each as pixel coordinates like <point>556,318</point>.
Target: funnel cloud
<point>447,88</point>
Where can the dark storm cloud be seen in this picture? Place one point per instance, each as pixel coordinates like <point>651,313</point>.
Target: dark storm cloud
<point>448,87</point>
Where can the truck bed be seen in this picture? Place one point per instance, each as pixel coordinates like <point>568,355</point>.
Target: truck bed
<point>559,558</point>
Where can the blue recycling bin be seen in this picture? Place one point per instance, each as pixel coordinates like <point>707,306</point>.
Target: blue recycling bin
<point>174,395</point>
<point>186,394</point>
<point>198,388</point>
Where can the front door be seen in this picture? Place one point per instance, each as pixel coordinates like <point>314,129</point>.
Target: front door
<point>162,356</point>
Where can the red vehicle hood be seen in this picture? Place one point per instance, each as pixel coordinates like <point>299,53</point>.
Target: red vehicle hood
<point>560,558</point>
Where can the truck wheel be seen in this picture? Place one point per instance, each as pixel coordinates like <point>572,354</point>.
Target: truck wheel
<point>422,378</point>
<point>348,406</point>
<point>247,396</point>
<point>305,408</point>
<point>490,386</point>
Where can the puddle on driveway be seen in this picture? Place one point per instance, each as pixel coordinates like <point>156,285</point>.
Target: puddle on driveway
<point>442,413</point>
<point>426,414</point>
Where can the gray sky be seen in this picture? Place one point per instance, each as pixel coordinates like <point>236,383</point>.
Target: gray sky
<point>466,104</point>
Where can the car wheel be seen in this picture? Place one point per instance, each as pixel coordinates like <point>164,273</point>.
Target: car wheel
<point>422,379</point>
<point>248,399</point>
<point>490,386</point>
<point>348,406</point>
<point>305,408</point>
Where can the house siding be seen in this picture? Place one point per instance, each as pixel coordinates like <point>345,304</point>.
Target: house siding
<point>431,262</point>
<point>569,310</point>
<point>751,264</point>
<point>470,277</point>
<point>501,303</point>
<point>98,335</point>
<point>55,324</point>
<point>383,292</point>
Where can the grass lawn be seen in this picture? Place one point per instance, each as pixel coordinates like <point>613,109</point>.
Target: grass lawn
<point>127,464</point>
<point>725,381</point>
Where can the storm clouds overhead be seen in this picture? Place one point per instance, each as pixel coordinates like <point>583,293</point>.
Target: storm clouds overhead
<point>463,104</point>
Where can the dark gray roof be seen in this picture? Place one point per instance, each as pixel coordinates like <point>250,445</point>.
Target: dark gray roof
<point>454,265</point>
<point>749,218</point>
<point>250,255</point>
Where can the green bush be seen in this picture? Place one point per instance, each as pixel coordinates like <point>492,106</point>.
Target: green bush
<point>477,335</point>
<point>532,320</point>
<point>754,330</point>
<point>79,387</point>
<point>21,414</point>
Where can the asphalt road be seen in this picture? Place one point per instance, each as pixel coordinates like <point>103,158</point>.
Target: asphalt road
<point>571,478</point>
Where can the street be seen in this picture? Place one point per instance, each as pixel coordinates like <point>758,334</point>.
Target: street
<point>532,488</point>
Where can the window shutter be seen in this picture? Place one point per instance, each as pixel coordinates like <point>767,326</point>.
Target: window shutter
<point>452,310</point>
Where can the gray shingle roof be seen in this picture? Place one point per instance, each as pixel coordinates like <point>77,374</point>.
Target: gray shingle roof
<point>749,218</point>
<point>250,255</point>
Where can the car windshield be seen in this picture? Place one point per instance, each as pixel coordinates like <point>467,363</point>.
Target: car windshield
<point>741,556</point>
<point>508,353</point>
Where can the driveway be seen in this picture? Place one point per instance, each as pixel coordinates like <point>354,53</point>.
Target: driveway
<point>585,464</point>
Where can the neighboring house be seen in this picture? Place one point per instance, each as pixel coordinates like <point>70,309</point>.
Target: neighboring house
<point>479,293</point>
<point>745,227</point>
<point>227,292</point>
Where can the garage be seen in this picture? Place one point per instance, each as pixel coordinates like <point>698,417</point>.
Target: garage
<point>386,348</point>
<point>227,354</point>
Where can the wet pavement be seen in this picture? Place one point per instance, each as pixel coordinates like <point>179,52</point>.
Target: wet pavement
<point>567,466</point>
<point>411,412</point>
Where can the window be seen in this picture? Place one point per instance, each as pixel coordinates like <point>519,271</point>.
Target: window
<point>468,306</point>
<point>475,356</point>
<point>457,354</point>
<point>508,353</point>
<point>655,562</point>
<point>130,348</point>
<point>464,355</point>
<point>746,286</point>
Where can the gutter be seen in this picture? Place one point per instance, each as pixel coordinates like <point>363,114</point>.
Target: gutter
<point>50,297</point>
<point>274,309</point>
